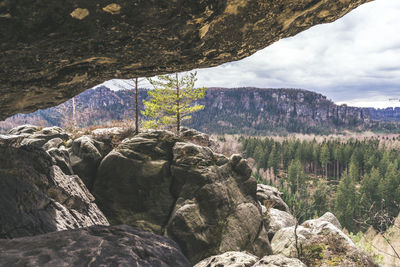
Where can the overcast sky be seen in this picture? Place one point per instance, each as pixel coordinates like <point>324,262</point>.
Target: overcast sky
<point>355,60</point>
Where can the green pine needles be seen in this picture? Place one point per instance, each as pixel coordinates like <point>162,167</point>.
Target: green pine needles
<point>172,100</point>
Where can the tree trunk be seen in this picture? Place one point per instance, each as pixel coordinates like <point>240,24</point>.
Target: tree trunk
<point>178,115</point>
<point>136,107</point>
<point>73,113</point>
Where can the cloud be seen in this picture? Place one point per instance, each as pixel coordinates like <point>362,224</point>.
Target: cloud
<point>354,57</point>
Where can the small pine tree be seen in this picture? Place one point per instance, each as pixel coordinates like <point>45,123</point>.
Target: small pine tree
<point>172,99</point>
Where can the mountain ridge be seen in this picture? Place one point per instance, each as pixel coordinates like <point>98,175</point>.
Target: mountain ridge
<point>247,110</point>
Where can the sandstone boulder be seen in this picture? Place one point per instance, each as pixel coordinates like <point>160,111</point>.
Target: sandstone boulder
<point>38,197</point>
<point>271,195</point>
<point>202,200</point>
<point>95,246</point>
<point>133,181</point>
<point>231,259</point>
<point>322,244</point>
<point>276,220</point>
<point>86,155</point>
<point>278,261</point>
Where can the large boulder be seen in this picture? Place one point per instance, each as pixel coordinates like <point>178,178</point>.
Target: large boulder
<point>245,259</point>
<point>202,200</point>
<point>276,219</point>
<point>37,197</point>
<point>321,243</point>
<point>86,154</point>
<point>270,196</point>
<point>230,258</point>
<point>94,246</point>
<point>133,181</point>
<point>278,261</point>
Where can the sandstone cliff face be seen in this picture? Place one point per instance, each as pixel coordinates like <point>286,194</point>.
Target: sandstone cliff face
<point>256,110</point>
<point>52,51</point>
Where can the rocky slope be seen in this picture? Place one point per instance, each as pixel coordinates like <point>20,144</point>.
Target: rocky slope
<point>51,52</point>
<point>158,182</point>
<point>236,110</point>
<point>39,193</point>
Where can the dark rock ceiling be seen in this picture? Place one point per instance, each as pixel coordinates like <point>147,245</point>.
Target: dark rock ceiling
<point>52,50</point>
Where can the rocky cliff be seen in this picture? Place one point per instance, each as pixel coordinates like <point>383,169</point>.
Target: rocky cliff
<point>235,110</point>
<point>52,51</point>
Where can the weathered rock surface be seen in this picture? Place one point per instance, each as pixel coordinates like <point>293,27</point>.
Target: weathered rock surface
<point>202,200</point>
<point>278,261</point>
<point>244,259</point>
<point>270,196</point>
<point>37,197</point>
<point>51,52</point>
<point>230,258</point>
<point>133,181</point>
<point>322,243</point>
<point>95,246</point>
<point>276,220</point>
<point>85,155</point>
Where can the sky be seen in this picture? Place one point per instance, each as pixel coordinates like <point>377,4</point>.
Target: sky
<point>354,60</point>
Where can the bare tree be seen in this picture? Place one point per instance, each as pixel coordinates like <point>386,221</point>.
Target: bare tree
<point>129,84</point>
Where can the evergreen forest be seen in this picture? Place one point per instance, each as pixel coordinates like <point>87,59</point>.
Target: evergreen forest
<point>357,179</point>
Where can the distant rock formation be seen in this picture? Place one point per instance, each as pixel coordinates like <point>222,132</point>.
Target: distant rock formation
<point>234,110</point>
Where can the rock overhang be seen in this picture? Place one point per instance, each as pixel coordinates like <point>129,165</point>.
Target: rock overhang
<point>52,50</point>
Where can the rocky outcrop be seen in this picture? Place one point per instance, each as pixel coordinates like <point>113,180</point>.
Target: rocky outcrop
<point>277,261</point>
<point>94,246</point>
<point>51,52</point>
<point>230,258</point>
<point>271,197</point>
<point>276,220</point>
<point>244,259</point>
<point>321,243</point>
<point>202,200</point>
<point>85,155</point>
<point>36,195</point>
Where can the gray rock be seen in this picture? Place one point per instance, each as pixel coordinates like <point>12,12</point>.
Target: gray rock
<point>85,156</point>
<point>37,197</point>
<point>196,137</point>
<point>133,181</point>
<point>277,220</point>
<point>231,259</point>
<point>204,201</point>
<point>61,159</point>
<point>216,208</point>
<point>327,217</point>
<point>321,239</point>
<point>277,261</point>
<point>272,196</point>
<point>53,143</point>
<point>23,129</point>
<point>94,246</point>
